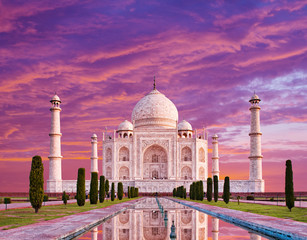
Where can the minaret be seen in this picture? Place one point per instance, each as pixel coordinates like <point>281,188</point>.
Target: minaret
<point>255,166</point>
<point>215,157</point>
<point>94,157</point>
<point>54,183</point>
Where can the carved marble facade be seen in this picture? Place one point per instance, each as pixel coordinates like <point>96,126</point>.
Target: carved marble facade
<point>154,157</point>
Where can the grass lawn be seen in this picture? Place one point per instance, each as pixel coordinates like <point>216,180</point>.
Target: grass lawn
<point>297,214</point>
<point>13,218</point>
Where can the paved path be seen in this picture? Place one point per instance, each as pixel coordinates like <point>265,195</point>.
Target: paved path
<point>302,204</point>
<point>28,204</point>
<point>272,226</point>
<point>61,228</point>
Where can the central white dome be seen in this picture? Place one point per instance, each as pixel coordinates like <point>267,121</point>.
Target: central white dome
<point>155,110</point>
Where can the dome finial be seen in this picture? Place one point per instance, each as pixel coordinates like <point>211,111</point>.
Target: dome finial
<point>154,84</point>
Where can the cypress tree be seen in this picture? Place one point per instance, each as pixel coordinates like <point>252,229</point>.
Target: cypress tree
<point>133,192</point>
<point>184,193</point>
<point>226,192</point>
<point>216,188</point>
<point>102,190</point>
<point>289,192</point>
<point>194,190</point>
<point>174,192</point>
<point>107,185</point>
<point>36,188</point>
<point>190,192</point>
<point>209,189</point>
<point>201,190</point>
<point>137,192</point>
<point>198,190</point>
<point>81,187</point>
<point>94,188</point>
<point>64,197</point>
<point>120,190</point>
<point>112,192</point>
<point>129,196</point>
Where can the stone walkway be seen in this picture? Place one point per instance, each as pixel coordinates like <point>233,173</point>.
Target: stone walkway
<point>28,204</point>
<point>61,228</point>
<point>272,226</point>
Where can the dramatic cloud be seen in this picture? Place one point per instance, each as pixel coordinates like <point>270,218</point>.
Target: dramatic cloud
<point>100,57</point>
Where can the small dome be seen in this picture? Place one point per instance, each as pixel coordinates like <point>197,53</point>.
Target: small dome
<point>94,136</point>
<point>55,98</point>
<point>215,136</point>
<point>125,126</point>
<point>184,126</point>
<point>155,110</point>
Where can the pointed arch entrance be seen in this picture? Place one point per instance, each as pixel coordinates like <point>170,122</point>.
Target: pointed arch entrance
<point>155,163</point>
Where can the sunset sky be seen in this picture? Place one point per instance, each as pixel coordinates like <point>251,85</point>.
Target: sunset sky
<point>100,58</point>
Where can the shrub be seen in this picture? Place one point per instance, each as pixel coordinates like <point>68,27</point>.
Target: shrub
<point>250,197</point>
<point>7,201</point>
<point>120,190</point>
<point>65,197</point>
<point>112,192</point>
<point>107,185</point>
<point>36,191</point>
<point>209,189</point>
<point>289,192</point>
<point>226,192</point>
<point>94,188</point>
<point>81,187</point>
<point>102,190</point>
<point>216,187</point>
<point>272,199</point>
<point>46,198</point>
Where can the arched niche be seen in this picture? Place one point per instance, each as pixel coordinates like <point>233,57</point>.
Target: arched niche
<point>123,173</point>
<point>201,173</point>
<point>186,173</point>
<point>186,154</point>
<point>108,155</point>
<point>123,154</point>
<point>201,155</point>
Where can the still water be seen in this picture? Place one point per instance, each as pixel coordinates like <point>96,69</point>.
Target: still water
<point>147,220</point>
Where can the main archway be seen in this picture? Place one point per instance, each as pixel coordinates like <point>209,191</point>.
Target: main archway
<point>155,163</point>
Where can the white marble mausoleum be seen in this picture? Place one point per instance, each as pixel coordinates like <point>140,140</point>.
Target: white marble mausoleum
<point>154,151</point>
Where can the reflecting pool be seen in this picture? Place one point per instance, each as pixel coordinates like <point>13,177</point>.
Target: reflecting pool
<point>152,218</point>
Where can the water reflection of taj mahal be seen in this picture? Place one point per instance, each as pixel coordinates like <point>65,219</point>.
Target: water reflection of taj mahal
<point>154,152</point>
<point>146,222</point>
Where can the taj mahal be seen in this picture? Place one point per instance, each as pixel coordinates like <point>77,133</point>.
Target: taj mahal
<point>154,152</point>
